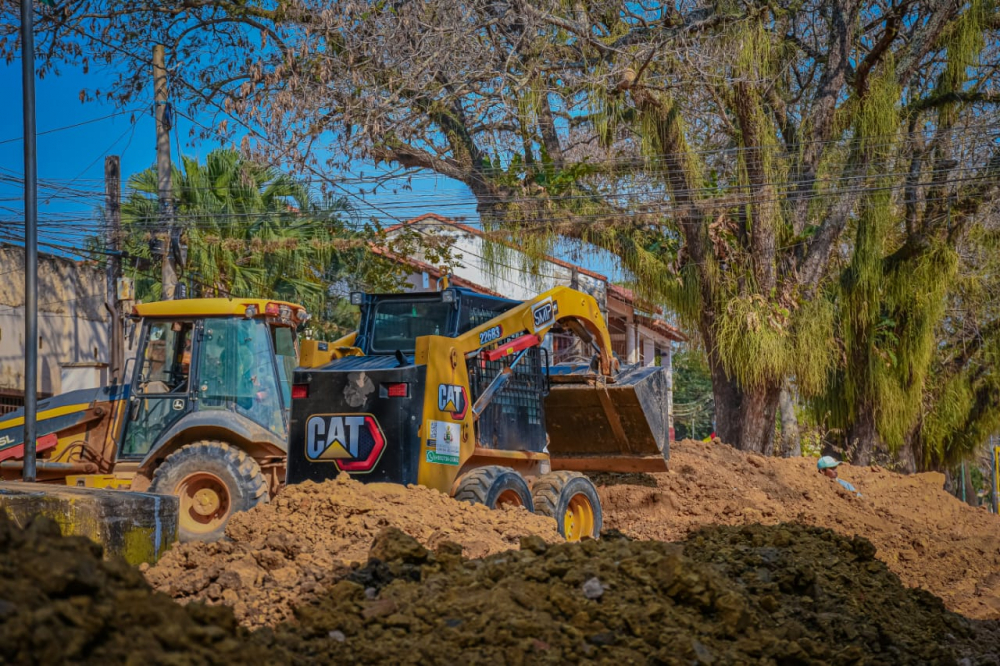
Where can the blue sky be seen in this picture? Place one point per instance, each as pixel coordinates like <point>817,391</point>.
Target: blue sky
<point>71,161</point>
<point>77,153</point>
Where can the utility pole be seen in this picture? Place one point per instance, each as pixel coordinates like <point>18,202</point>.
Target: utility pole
<point>169,269</point>
<point>30,237</point>
<point>113,212</point>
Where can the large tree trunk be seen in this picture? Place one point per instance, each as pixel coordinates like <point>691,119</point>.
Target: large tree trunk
<point>744,418</point>
<point>909,455</point>
<point>862,436</point>
<point>791,443</point>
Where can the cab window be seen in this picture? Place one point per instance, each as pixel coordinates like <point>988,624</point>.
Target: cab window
<point>287,357</point>
<point>238,371</point>
<point>166,362</point>
<point>398,324</point>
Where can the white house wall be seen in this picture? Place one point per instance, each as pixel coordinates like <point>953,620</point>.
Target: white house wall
<point>509,279</point>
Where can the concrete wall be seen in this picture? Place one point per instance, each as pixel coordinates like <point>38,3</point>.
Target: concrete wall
<point>73,324</point>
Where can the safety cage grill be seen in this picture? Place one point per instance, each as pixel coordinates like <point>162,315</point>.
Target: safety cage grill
<point>515,418</point>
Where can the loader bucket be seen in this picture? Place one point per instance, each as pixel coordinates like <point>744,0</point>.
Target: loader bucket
<point>615,426</point>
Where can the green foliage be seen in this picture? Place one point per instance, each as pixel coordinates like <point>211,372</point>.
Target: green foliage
<point>694,410</point>
<point>870,377</point>
<point>251,231</point>
<point>891,313</point>
<point>964,42</point>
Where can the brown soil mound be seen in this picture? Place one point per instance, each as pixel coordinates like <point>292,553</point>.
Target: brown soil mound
<point>925,536</point>
<point>755,594</point>
<point>785,594</point>
<point>305,539</point>
<point>60,602</point>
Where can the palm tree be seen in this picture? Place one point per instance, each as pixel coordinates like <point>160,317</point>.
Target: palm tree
<point>250,230</point>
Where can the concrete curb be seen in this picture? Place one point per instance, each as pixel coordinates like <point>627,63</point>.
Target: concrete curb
<point>138,527</point>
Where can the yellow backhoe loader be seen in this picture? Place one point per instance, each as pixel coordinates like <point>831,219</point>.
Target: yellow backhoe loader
<point>205,416</point>
<point>454,390</point>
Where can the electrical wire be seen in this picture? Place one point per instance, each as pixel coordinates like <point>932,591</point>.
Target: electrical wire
<point>73,126</point>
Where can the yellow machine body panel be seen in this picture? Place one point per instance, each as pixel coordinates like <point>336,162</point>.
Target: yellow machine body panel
<point>442,383</point>
<point>445,359</point>
<point>317,353</point>
<point>217,307</point>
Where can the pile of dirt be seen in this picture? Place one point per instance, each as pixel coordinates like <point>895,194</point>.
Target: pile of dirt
<point>785,594</point>
<point>924,535</point>
<point>60,602</point>
<point>282,553</point>
<point>753,594</point>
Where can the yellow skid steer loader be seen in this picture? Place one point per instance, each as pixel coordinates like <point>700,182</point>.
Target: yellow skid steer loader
<point>455,391</point>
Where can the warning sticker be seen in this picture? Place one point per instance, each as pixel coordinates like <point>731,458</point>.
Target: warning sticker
<point>443,442</point>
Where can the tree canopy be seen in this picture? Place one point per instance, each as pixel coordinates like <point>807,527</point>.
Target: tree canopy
<point>252,231</point>
<point>810,184</point>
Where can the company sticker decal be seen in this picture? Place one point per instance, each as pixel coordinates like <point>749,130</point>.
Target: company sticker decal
<point>543,314</point>
<point>454,400</point>
<point>443,442</point>
<point>490,334</point>
<point>354,442</point>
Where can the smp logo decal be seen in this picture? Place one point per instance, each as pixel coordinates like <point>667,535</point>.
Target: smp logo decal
<point>354,442</point>
<point>490,334</point>
<point>454,400</point>
<point>543,314</point>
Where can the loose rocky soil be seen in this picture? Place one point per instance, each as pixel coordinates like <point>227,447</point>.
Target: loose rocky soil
<point>787,594</point>
<point>923,534</point>
<point>307,538</point>
<point>60,602</point>
<point>285,552</point>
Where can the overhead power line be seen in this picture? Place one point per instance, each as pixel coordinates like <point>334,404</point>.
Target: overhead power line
<point>73,126</point>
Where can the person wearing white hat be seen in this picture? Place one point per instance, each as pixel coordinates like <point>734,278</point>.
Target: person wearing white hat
<point>827,466</point>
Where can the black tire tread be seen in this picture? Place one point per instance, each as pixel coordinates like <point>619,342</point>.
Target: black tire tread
<point>251,475</point>
<point>475,485</point>
<point>547,491</point>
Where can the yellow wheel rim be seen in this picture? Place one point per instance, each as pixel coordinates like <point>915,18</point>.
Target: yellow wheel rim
<point>204,503</point>
<point>509,498</point>
<point>579,519</point>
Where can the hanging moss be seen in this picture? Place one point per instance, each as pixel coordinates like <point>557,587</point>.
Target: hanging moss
<point>965,412</point>
<point>813,356</point>
<point>865,381</point>
<point>752,343</point>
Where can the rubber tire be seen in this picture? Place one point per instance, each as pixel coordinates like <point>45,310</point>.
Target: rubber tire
<point>552,493</point>
<point>484,485</point>
<point>241,474</point>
